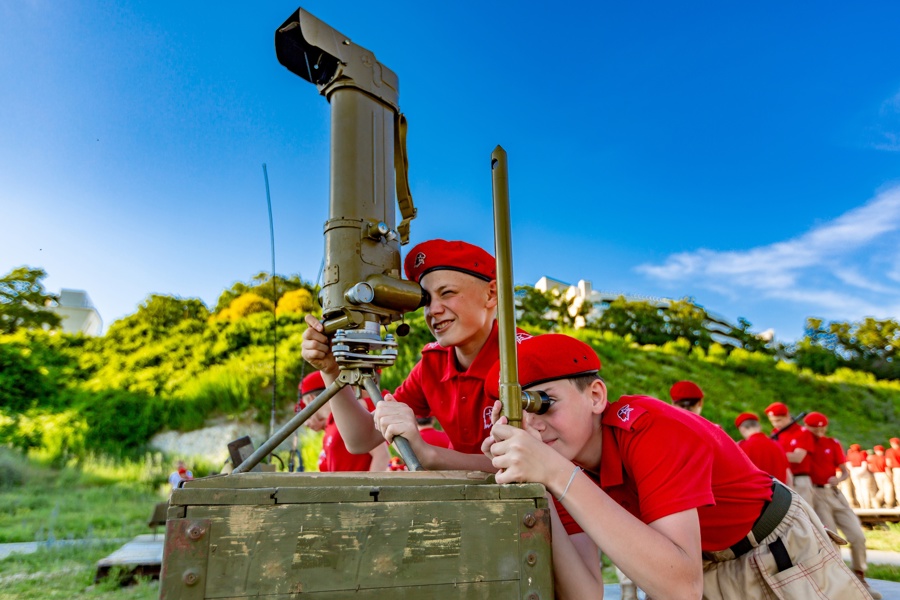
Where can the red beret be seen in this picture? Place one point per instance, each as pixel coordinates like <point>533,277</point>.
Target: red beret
<point>435,255</point>
<point>854,446</point>
<point>685,390</point>
<point>544,358</point>
<point>894,440</point>
<point>777,409</point>
<point>745,416</point>
<point>816,419</point>
<point>878,448</point>
<point>312,383</point>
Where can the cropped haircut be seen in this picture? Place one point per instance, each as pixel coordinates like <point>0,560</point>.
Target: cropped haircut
<point>583,382</point>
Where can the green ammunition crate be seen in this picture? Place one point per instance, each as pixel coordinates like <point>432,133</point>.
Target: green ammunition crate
<point>438,534</point>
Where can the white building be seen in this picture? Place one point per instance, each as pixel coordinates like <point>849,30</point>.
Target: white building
<point>78,313</point>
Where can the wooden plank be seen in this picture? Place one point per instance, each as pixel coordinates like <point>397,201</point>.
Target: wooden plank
<point>193,497</point>
<point>185,557</point>
<point>339,548</point>
<point>304,479</point>
<point>493,590</point>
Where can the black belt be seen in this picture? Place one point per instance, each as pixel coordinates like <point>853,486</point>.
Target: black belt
<point>772,514</point>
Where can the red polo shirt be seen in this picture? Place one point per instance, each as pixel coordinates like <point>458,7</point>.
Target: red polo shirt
<point>335,456</point>
<point>857,457</point>
<point>876,463</point>
<point>659,460</point>
<point>795,437</point>
<point>766,454</point>
<point>892,458</point>
<point>828,457</point>
<point>437,388</point>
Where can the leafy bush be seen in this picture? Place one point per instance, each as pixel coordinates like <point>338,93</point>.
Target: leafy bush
<point>12,470</point>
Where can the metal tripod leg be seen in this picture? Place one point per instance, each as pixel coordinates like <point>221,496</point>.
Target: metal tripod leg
<point>368,381</point>
<point>402,444</point>
<point>289,427</point>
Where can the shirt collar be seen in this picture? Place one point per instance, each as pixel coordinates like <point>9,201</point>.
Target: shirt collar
<point>483,362</point>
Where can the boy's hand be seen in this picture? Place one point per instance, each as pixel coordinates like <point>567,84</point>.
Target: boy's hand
<point>317,347</point>
<point>496,411</point>
<point>394,418</point>
<point>522,457</point>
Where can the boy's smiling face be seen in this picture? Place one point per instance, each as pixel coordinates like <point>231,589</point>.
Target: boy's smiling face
<point>571,426</point>
<point>460,308</point>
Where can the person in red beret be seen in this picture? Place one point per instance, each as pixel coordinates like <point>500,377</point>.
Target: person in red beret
<point>687,395</point>
<point>857,461</point>
<point>448,381</point>
<point>892,462</point>
<point>797,443</point>
<point>667,495</point>
<point>884,487</point>
<point>334,455</point>
<point>829,503</point>
<point>763,451</point>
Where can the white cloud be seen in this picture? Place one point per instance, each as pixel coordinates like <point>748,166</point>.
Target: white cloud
<point>887,127</point>
<point>846,266</point>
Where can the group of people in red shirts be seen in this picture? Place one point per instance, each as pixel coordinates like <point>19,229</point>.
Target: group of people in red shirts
<point>667,495</point>
<point>874,476</point>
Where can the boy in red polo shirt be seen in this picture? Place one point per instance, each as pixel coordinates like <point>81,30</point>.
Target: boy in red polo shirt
<point>763,452</point>
<point>687,395</point>
<point>797,442</point>
<point>892,461</point>
<point>448,382</point>
<point>830,503</point>
<point>334,455</point>
<point>884,498</point>
<point>667,495</point>
<point>857,460</point>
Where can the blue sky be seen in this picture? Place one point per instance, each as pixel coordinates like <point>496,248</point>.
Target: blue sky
<point>745,156</point>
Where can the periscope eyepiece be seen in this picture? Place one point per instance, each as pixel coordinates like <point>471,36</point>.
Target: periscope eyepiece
<point>536,402</point>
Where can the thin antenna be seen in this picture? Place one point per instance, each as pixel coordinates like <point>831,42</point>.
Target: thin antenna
<point>274,314</point>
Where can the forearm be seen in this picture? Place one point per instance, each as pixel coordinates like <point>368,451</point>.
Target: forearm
<point>652,560</point>
<point>381,458</point>
<point>576,569</point>
<point>434,458</point>
<point>353,421</point>
<point>796,456</point>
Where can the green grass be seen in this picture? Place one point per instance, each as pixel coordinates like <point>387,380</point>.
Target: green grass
<point>72,503</point>
<point>66,573</point>
<point>885,572</point>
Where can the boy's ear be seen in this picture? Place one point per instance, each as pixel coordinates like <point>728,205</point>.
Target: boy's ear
<point>492,294</point>
<point>599,399</point>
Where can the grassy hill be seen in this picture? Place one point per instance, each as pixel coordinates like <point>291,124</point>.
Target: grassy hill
<point>860,409</point>
<point>74,397</point>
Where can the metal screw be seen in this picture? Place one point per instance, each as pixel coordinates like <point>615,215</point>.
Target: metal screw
<point>532,596</point>
<point>191,577</point>
<point>531,558</point>
<point>529,520</point>
<point>195,532</point>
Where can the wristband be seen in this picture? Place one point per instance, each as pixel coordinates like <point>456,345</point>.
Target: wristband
<point>571,479</point>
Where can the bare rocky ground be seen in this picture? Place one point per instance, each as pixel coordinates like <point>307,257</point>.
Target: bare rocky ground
<point>211,442</point>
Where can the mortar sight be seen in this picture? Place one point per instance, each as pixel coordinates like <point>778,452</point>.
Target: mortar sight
<point>304,55</point>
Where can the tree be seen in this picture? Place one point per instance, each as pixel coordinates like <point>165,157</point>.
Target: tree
<point>645,322</point>
<point>533,306</point>
<point>684,319</point>
<point>261,285</point>
<point>296,301</point>
<point>23,301</point>
<point>245,304</point>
